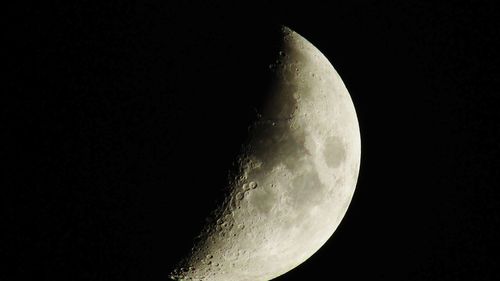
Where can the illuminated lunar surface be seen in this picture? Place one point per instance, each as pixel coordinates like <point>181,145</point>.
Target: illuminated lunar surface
<point>297,175</point>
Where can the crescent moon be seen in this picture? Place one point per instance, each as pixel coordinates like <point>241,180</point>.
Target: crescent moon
<point>296,175</point>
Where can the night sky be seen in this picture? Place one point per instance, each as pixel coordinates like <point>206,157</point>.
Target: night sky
<point>120,122</point>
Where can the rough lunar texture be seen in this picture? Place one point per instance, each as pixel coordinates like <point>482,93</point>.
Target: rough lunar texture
<point>297,176</point>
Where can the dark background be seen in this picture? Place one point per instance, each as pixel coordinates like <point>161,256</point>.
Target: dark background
<point>120,122</point>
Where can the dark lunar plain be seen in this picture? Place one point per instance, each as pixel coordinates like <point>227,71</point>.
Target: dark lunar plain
<point>120,122</point>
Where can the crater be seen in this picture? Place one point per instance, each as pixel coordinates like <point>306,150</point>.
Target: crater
<point>263,200</point>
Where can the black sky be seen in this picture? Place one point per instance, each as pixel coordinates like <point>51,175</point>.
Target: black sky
<point>122,120</point>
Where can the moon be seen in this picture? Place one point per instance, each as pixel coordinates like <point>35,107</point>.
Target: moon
<point>295,177</point>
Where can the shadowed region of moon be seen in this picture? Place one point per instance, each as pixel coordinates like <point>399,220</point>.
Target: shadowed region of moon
<point>293,180</point>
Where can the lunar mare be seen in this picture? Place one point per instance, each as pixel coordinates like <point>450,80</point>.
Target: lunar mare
<point>297,175</point>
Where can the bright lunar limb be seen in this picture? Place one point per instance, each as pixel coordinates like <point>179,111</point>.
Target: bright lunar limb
<point>297,175</point>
